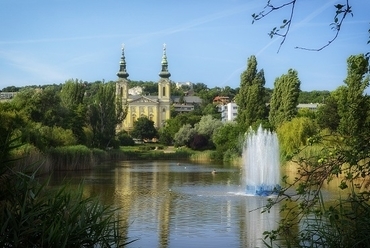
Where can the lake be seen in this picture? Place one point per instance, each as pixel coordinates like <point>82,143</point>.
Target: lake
<point>178,204</point>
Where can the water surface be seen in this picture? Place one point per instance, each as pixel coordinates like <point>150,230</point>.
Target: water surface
<point>177,204</point>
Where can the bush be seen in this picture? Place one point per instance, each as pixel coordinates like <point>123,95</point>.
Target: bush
<point>125,139</point>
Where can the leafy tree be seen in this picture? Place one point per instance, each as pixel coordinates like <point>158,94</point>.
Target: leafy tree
<point>207,126</point>
<point>11,89</point>
<point>197,87</point>
<point>251,106</point>
<point>10,123</point>
<point>327,114</point>
<point>144,129</point>
<point>353,105</point>
<point>227,138</point>
<point>103,115</point>
<point>199,142</point>
<point>314,96</point>
<point>125,139</point>
<point>41,105</point>
<point>211,109</point>
<point>284,99</point>
<point>184,135</point>
<point>294,134</point>
<point>72,98</point>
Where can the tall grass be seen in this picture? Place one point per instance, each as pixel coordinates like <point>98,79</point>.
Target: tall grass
<point>33,215</point>
<point>77,157</point>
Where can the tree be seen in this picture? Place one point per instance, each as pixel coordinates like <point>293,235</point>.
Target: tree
<point>341,12</point>
<point>227,137</point>
<point>251,106</point>
<point>41,105</point>
<point>144,129</point>
<point>184,135</point>
<point>353,105</point>
<point>103,115</point>
<point>284,99</point>
<point>207,126</point>
<point>72,98</point>
<point>327,114</point>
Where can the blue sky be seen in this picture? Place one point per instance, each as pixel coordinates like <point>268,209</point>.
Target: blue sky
<point>208,41</point>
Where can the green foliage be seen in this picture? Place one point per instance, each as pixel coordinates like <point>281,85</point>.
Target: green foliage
<point>144,129</point>
<point>184,135</point>
<point>10,122</point>
<point>327,114</point>
<point>125,139</point>
<point>77,157</point>
<point>72,99</point>
<point>227,137</point>
<point>294,134</point>
<point>250,99</point>
<point>40,105</point>
<point>315,96</point>
<point>353,106</point>
<point>103,116</point>
<point>284,99</point>
<point>207,126</point>
<point>34,216</point>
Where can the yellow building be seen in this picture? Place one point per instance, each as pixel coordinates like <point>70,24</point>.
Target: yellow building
<point>155,108</point>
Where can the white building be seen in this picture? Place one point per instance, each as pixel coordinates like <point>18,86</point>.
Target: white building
<point>310,106</point>
<point>228,111</point>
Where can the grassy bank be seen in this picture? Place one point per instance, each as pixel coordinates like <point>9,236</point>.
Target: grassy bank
<point>80,157</point>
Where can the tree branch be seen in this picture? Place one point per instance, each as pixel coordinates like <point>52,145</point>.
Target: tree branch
<point>342,10</point>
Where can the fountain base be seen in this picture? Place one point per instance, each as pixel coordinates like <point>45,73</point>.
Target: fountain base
<point>263,190</point>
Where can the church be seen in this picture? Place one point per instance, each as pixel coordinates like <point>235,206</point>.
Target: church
<point>155,108</point>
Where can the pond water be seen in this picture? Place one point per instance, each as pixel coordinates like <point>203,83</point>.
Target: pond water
<point>177,204</point>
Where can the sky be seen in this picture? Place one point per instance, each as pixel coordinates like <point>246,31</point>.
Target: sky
<point>207,41</point>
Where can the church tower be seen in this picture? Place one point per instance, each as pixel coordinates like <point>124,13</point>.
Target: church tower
<point>164,84</point>
<point>156,108</point>
<point>122,82</point>
<point>164,91</point>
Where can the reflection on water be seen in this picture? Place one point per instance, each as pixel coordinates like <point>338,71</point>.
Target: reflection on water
<point>166,204</point>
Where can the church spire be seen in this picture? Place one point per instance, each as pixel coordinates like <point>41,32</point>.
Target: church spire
<point>164,72</point>
<point>122,73</point>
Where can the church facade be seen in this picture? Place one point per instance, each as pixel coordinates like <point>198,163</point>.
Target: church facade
<point>155,108</point>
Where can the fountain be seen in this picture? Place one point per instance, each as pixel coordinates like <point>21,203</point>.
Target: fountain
<point>261,163</point>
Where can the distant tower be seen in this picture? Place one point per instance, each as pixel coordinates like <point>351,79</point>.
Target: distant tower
<point>164,92</point>
<point>122,82</point>
<point>164,84</point>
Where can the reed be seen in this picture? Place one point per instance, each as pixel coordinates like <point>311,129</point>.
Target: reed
<point>77,157</point>
<point>35,215</point>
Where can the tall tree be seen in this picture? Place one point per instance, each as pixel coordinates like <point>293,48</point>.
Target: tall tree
<point>353,104</point>
<point>284,99</point>
<point>103,115</point>
<point>251,106</point>
<point>72,98</point>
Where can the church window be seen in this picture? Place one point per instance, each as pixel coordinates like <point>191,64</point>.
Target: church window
<point>163,110</point>
<point>121,91</point>
<point>164,91</point>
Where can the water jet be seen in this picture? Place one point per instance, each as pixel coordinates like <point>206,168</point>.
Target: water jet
<point>261,163</point>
